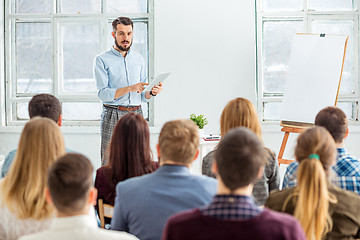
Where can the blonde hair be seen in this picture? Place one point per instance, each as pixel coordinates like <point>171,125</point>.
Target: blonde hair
<point>240,112</point>
<point>179,141</point>
<point>311,194</point>
<point>22,190</point>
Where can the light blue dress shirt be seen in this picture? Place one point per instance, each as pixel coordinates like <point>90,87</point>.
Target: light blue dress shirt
<point>7,162</point>
<point>113,71</point>
<point>144,204</point>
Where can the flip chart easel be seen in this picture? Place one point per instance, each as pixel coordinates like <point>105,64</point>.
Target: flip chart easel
<point>287,131</point>
<point>315,71</point>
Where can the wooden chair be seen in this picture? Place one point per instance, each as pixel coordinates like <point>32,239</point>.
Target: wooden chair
<point>105,210</point>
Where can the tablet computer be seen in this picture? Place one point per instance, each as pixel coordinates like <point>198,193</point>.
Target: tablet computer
<point>159,78</point>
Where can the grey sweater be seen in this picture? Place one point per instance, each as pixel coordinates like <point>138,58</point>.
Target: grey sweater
<point>269,181</point>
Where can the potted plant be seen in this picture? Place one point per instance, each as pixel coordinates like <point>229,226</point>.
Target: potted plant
<point>201,121</point>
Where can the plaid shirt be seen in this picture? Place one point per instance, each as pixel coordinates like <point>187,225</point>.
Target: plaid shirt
<point>347,171</point>
<point>232,207</point>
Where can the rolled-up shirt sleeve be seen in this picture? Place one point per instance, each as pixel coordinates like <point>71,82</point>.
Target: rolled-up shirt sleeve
<point>105,93</point>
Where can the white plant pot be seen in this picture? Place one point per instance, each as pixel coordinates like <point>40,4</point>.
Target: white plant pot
<point>201,133</point>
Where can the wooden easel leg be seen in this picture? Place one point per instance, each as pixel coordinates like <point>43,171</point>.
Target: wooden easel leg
<point>283,145</point>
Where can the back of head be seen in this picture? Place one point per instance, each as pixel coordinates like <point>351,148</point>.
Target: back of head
<point>334,120</point>
<point>239,156</point>
<point>45,105</point>
<point>41,143</point>
<point>69,182</point>
<point>240,112</point>
<point>316,153</point>
<point>130,152</point>
<point>179,141</point>
<point>316,140</point>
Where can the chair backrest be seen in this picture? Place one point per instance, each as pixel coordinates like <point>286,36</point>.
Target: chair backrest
<point>105,210</point>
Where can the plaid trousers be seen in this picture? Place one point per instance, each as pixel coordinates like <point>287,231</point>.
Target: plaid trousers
<point>109,118</point>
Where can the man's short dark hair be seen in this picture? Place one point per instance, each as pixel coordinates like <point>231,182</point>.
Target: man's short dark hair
<point>122,20</point>
<point>69,182</point>
<point>45,105</point>
<point>334,120</point>
<point>239,156</point>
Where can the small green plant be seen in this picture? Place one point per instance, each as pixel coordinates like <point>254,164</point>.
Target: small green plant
<point>200,120</point>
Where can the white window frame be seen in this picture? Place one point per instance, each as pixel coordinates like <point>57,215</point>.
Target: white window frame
<point>8,118</point>
<point>307,15</point>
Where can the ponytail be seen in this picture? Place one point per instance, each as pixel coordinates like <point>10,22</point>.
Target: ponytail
<point>312,207</point>
<point>316,153</point>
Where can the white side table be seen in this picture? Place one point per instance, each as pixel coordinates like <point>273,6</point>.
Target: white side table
<point>204,148</point>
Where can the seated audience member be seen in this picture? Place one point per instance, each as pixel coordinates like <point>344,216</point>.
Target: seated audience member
<point>347,168</point>
<point>23,208</point>
<point>325,211</point>
<point>240,160</point>
<point>130,156</point>
<point>71,192</point>
<point>143,204</point>
<point>240,112</point>
<point>41,105</point>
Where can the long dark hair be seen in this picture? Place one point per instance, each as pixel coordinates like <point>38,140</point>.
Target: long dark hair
<point>130,152</point>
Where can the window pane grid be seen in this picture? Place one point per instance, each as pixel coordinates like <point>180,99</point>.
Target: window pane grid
<point>33,57</point>
<point>50,68</point>
<point>276,52</point>
<point>76,70</point>
<point>342,27</point>
<point>331,19</point>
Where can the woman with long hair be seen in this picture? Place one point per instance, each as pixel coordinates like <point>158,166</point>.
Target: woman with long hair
<point>324,210</point>
<point>240,112</point>
<point>130,156</point>
<point>23,208</point>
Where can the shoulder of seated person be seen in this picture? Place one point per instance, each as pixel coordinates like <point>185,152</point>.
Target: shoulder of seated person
<point>271,153</point>
<point>11,153</point>
<point>134,180</point>
<point>210,155</point>
<point>277,196</point>
<point>204,178</point>
<point>284,191</point>
<point>116,234</point>
<point>337,191</point>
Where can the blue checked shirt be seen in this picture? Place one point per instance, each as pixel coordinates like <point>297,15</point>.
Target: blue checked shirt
<point>232,207</point>
<point>346,169</point>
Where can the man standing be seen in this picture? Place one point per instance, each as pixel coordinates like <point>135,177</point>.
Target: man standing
<point>121,77</point>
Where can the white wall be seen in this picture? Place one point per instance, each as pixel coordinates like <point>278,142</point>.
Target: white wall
<point>210,49</point>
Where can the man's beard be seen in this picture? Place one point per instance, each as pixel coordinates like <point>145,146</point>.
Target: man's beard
<point>122,48</point>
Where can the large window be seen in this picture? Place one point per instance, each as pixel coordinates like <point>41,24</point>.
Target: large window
<point>50,47</point>
<point>277,23</point>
